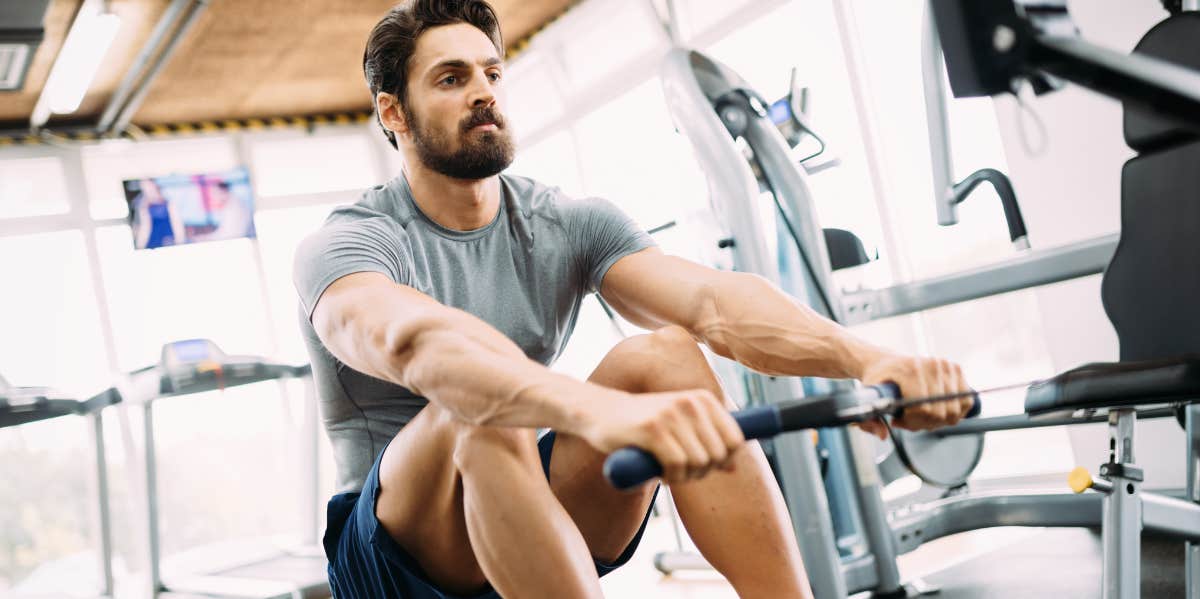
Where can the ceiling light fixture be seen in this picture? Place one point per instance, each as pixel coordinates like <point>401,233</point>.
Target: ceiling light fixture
<point>87,42</point>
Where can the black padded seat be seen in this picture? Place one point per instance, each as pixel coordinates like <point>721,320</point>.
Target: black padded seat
<point>1115,384</point>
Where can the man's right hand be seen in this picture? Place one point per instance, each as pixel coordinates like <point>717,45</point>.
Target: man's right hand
<point>689,432</point>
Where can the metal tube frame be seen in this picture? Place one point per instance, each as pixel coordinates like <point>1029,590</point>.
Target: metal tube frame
<point>135,101</point>
<point>881,545</point>
<point>1121,529</point>
<point>153,548</point>
<point>937,120</point>
<point>1031,269</point>
<point>310,478</point>
<point>103,508</point>
<point>1024,421</point>
<point>1170,517</point>
<point>168,19</point>
<point>1192,548</point>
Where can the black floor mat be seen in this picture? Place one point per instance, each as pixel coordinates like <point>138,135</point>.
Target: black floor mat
<point>1060,563</point>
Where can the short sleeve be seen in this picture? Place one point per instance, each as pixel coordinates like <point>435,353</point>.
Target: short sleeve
<point>342,248</point>
<point>601,234</point>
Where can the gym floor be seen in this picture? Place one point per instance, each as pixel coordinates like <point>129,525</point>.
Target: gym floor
<point>981,564</point>
<point>640,579</point>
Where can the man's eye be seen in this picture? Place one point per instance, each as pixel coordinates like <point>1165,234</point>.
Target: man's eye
<point>494,76</point>
<point>451,80</point>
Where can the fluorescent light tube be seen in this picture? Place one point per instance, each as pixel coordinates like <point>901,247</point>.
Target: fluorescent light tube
<point>87,42</point>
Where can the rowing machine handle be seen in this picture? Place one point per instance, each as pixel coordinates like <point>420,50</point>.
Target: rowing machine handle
<point>891,390</point>
<point>628,467</point>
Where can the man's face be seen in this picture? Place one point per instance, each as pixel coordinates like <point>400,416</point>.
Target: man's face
<point>453,110</point>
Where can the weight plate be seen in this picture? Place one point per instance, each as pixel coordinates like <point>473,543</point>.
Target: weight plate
<point>940,461</point>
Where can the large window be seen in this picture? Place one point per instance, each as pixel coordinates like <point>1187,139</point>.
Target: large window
<point>229,469</point>
<point>108,163</point>
<point>45,503</point>
<point>532,93</point>
<point>590,53</point>
<point>51,327</point>
<point>51,336</point>
<point>208,290</point>
<point>280,231</point>
<point>632,155</point>
<point>890,36</point>
<point>302,165</point>
<point>32,187</point>
<point>552,161</point>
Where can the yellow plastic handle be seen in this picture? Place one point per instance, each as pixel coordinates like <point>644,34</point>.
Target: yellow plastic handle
<point>1080,479</point>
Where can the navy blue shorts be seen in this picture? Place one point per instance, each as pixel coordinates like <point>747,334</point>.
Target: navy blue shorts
<point>366,562</point>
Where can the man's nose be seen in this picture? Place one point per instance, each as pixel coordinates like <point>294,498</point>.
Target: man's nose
<point>482,92</point>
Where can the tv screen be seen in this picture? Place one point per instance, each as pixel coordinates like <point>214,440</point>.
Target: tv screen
<point>180,209</point>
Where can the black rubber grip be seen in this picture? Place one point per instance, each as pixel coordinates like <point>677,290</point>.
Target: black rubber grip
<point>975,410</point>
<point>629,467</point>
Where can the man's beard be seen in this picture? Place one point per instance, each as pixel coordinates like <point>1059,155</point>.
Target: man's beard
<point>478,156</point>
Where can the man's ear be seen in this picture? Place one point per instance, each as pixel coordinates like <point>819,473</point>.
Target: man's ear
<point>390,114</point>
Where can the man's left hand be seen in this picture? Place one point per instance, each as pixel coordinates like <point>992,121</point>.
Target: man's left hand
<point>919,377</point>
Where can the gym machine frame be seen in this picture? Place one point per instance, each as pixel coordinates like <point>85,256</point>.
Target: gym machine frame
<point>713,107</point>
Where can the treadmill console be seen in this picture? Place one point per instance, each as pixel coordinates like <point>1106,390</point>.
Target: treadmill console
<point>196,365</point>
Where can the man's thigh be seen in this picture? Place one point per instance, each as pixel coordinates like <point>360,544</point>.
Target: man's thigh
<point>420,502</point>
<point>609,519</point>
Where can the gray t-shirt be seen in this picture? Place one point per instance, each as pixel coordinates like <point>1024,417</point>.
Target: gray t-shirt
<point>525,274</point>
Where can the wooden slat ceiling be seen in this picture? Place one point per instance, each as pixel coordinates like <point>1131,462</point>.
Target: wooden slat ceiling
<point>242,58</point>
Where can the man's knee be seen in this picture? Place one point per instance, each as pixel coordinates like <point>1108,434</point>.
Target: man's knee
<point>666,359</point>
<point>667,342</point>
<point>479,447</point>
<point>666,348</point>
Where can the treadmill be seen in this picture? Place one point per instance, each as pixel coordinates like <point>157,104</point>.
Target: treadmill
<point>247,570</point>
<point>23,405</point>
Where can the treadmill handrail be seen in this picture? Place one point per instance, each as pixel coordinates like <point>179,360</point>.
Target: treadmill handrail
<point>22,405</point>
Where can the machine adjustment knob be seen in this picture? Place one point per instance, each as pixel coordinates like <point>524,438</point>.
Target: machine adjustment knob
<point>1080,479</point>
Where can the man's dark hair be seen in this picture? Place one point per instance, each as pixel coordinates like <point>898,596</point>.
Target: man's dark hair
<point>393,40</point>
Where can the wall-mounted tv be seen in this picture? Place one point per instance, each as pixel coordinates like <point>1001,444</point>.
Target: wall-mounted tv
<point>182,209</point>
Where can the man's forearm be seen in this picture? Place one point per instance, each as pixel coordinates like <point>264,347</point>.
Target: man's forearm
<point>749,320</point>
<point>455,359</point>
<point>498,388</point>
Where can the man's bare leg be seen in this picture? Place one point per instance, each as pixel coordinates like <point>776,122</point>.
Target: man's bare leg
<point>737,519</point>
<point>472,506</point>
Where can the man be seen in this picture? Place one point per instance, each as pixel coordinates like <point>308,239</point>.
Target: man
<point>431,308</point>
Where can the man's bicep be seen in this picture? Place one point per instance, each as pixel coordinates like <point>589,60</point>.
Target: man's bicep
<point>652,289</point>
<point>366,295</point>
